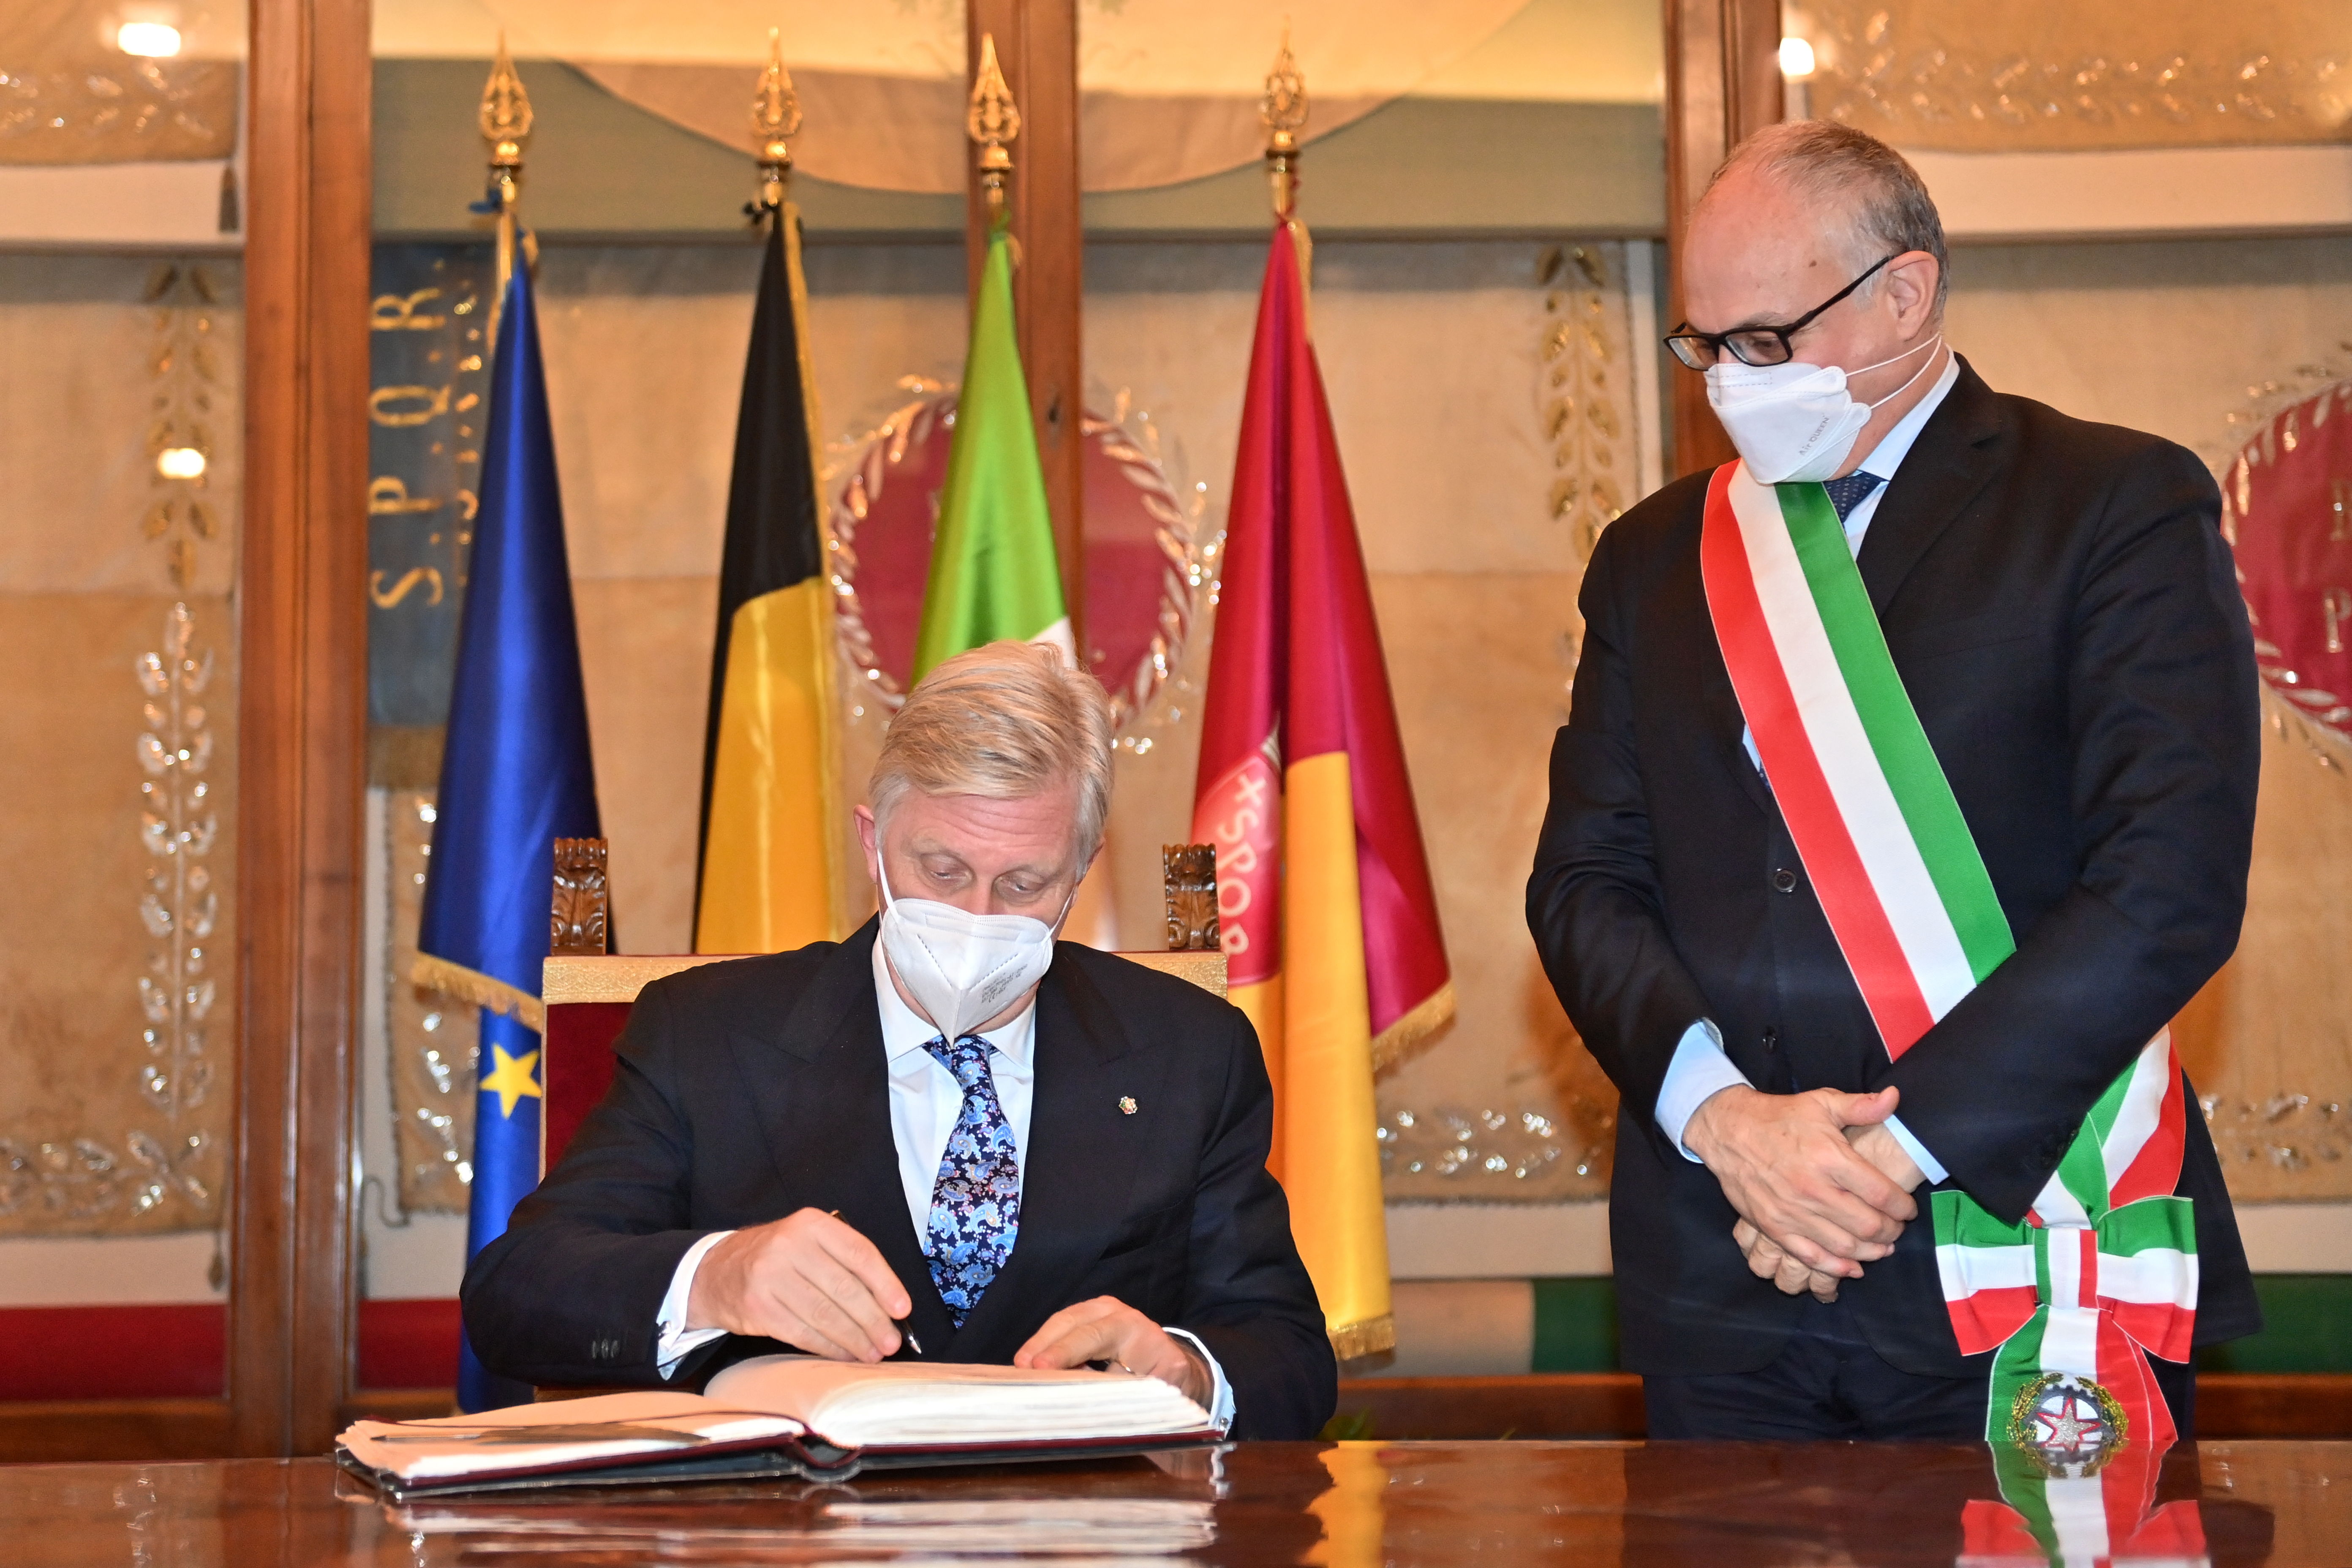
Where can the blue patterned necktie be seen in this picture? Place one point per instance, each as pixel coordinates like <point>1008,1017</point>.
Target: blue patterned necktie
<point>1849,492</point>
<point>976,1202</point>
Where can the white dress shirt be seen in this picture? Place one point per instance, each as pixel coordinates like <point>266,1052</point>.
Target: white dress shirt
<point>925,1103</point>
<point>1700,1069</point>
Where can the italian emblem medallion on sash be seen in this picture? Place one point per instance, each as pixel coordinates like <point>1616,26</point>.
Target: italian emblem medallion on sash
<point>2102,1272</point>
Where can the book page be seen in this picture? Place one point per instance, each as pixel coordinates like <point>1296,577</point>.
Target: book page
<point>558,1432</point>
<point>918,1404</point>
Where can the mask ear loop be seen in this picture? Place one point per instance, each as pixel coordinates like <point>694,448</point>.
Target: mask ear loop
<point>1932,343</point>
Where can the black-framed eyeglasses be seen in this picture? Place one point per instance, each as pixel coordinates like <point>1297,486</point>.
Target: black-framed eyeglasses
<point>1756,345</point>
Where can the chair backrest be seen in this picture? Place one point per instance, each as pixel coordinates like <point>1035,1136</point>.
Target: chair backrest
<point>588,993</point>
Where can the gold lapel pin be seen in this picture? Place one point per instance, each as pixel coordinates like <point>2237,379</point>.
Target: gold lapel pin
<point>1127,1105</point>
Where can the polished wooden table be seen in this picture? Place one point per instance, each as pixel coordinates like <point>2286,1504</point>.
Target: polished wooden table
<point>2288,1504</point>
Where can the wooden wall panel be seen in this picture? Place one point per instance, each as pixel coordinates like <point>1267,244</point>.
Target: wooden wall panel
<point>1723,84</point>
<point>304,656</point>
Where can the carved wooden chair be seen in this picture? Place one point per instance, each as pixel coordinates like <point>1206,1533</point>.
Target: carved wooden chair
<point>588,990</point>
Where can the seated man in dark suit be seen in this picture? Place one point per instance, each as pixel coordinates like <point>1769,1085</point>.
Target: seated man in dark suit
<point>949,1136</point>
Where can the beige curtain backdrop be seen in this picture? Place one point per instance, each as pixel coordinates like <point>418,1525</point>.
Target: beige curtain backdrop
<point>118,976</point>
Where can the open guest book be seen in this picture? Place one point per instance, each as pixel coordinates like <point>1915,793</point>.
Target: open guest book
<point>780,1416</point>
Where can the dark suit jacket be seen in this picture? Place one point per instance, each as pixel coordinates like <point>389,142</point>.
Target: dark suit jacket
<point>750,1089</point>
<point>2064,613</point>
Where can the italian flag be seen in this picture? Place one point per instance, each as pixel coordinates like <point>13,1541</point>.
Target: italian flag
<point>2104,1267</point>
<point>993,575</point>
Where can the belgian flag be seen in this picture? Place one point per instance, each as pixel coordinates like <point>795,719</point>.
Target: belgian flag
<point>769,868</point>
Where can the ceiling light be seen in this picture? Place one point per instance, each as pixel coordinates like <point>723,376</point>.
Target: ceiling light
<point>179,463</point>
<point>1796,59</point>
<point>154,40</point>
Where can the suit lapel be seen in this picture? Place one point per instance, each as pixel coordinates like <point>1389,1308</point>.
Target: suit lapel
<point>1700,669</point>
<point>1947,467</point>
<point>819,1083</point>
<point>1724,722</point>
<point>1080,1165</point>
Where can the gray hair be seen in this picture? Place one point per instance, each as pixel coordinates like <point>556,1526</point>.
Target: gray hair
<point>1004,720</point>
<point>1885,203</point>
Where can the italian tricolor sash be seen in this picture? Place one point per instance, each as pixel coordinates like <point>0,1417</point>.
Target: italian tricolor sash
<point>2104,1270</point>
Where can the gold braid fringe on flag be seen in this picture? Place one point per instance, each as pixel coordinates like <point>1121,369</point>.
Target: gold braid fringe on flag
<point>473,985</point>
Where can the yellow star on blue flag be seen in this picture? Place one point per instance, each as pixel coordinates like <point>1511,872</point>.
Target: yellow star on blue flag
<point>512,1078</point>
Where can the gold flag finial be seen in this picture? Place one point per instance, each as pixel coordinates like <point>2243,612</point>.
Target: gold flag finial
<point>775,117</point>
<point>506,120</point>
<point>993,120</point>
<point>1284,109</point>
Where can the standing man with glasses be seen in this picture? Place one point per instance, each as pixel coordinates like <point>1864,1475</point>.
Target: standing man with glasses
<point>1907,793</point>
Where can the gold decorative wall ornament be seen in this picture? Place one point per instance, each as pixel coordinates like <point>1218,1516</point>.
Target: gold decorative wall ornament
<point>1283,108</point>
<point>70,96</point>
<point>434,1039</point>
<point>993,121</point>
<point>775,119</point>
<point>187,372</point>
<point>1146,568</point>
<point>1581,390</point>
<point>2017,76</point>
<point>179,907</point>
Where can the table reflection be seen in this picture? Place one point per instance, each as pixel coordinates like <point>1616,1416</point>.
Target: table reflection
<point>1356,1505</point>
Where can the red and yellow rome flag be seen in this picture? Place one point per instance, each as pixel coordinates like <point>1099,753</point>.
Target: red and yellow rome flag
<point>1323,894</point>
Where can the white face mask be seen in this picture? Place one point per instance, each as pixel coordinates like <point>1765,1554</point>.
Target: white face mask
<point>1796,421</point>
<point>963,969</point>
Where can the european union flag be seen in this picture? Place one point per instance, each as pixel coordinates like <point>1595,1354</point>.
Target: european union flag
<point>516,776</point>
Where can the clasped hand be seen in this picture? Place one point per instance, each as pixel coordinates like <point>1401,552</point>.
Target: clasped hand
<point>813,1281</point>
<point>1821,1186</point>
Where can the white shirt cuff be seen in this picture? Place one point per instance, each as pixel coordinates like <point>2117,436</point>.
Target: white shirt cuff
<point>1929,1165</point>
<point>1700,1070</point>
<point>1221,1393</point>
<point>675,1338</point>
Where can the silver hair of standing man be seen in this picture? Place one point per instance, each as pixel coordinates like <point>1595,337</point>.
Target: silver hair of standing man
<point>1885,203</point>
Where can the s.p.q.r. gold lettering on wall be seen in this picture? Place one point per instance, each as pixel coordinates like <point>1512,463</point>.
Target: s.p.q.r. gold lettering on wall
<point>404,407</point>
<point>389,598</point>
<point>427,353</point>
<point>388,496</point>
<point>399,314</point>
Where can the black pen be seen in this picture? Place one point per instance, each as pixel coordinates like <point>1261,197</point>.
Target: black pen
<point>898,1323</point>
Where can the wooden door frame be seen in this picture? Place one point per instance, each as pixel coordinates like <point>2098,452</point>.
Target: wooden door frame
<point>1723,84</point>
<point>303,720</point>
